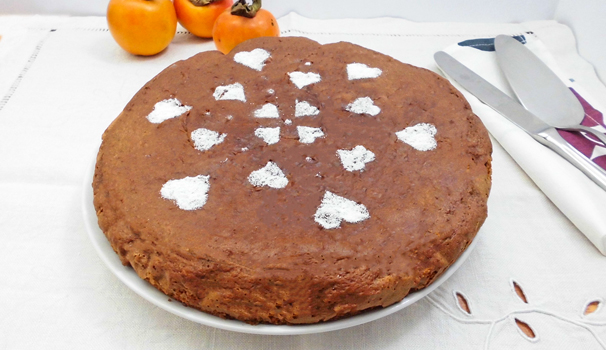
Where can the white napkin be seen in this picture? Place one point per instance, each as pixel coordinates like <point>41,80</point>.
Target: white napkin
<point>580,199</point>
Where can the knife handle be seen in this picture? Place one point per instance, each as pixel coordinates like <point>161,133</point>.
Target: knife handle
<point>552,139</point>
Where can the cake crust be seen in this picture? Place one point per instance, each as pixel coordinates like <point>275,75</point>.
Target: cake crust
<point>255,253</point>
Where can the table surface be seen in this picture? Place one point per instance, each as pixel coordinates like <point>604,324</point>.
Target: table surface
<point>63,80</point>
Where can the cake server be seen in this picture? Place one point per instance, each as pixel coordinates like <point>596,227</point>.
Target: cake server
<point>539,89</point>
<point>520,116</point>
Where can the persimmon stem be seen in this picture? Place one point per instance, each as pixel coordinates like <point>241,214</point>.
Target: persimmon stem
<point>202,2</point>
<point>242,9</point>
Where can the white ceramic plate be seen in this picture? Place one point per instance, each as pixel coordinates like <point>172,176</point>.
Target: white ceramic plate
<point>128,276</point>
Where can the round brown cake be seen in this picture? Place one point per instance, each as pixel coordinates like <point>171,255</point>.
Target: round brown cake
<point>290,182</point>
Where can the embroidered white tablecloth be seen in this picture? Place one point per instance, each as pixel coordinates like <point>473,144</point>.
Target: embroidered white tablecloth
<point>63,80</point>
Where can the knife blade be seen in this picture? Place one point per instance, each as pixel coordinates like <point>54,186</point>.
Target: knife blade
<point>517,114</point>
<point>538,88</point>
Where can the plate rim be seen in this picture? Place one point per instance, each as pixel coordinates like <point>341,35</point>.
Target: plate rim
<point>144,289</point>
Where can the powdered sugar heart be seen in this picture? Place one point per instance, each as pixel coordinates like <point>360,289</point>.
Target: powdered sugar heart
<point>304,109</point>
<point>269,135</point>
<point>230,92</point>
<point>309,134</point>
<point>335,209</point>
<point>301,79</point>
<point>189,193</point>
<point>254,59</point>
<point>204,139</point>
<point>270,175</point>
<point>167,109</point>
<point>362,71</point>
<point>355,159</point>
<point>420,136</point>
<point>363,105</point>
<point>268,110</point>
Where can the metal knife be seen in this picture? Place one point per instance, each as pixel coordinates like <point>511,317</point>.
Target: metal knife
<point>517,114</point>
<point>539,89</point>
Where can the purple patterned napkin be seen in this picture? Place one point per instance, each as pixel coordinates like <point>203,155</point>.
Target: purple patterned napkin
<point>588,144</point>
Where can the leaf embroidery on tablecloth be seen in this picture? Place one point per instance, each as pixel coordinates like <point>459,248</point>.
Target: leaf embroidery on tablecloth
<point>525,329</point>
<point>519,292</point>
<point>592,307</point>
<point>518,318</point>
<point>462,302</point>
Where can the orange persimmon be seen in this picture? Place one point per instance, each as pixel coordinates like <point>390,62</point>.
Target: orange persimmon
<point>198,16</point>
<point>241,23</point>
<point>142,27</point>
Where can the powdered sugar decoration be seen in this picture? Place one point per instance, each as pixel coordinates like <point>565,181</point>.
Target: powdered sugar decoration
<point>189,193</point>
<point>270,175</point>
<point>363,105</point>
<point>335,209</point>
<point>269,135</point>
<point>420,136</point>
<point>304,109</point>
<point>301,79</point>
<point>267,111</point>
<point>355,159</point>
<point>230,92</point>
<point>254,59</point>
<point>362,71</point>
<point>308,134</point>
<point>204,139</point>
<point>167,109</point>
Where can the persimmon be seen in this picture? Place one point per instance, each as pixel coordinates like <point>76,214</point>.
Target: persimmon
<point>142,27</point>
<point>241,23</point>
<point>198,16</point>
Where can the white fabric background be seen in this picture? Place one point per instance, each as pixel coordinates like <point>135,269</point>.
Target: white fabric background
<point>61,89</point>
